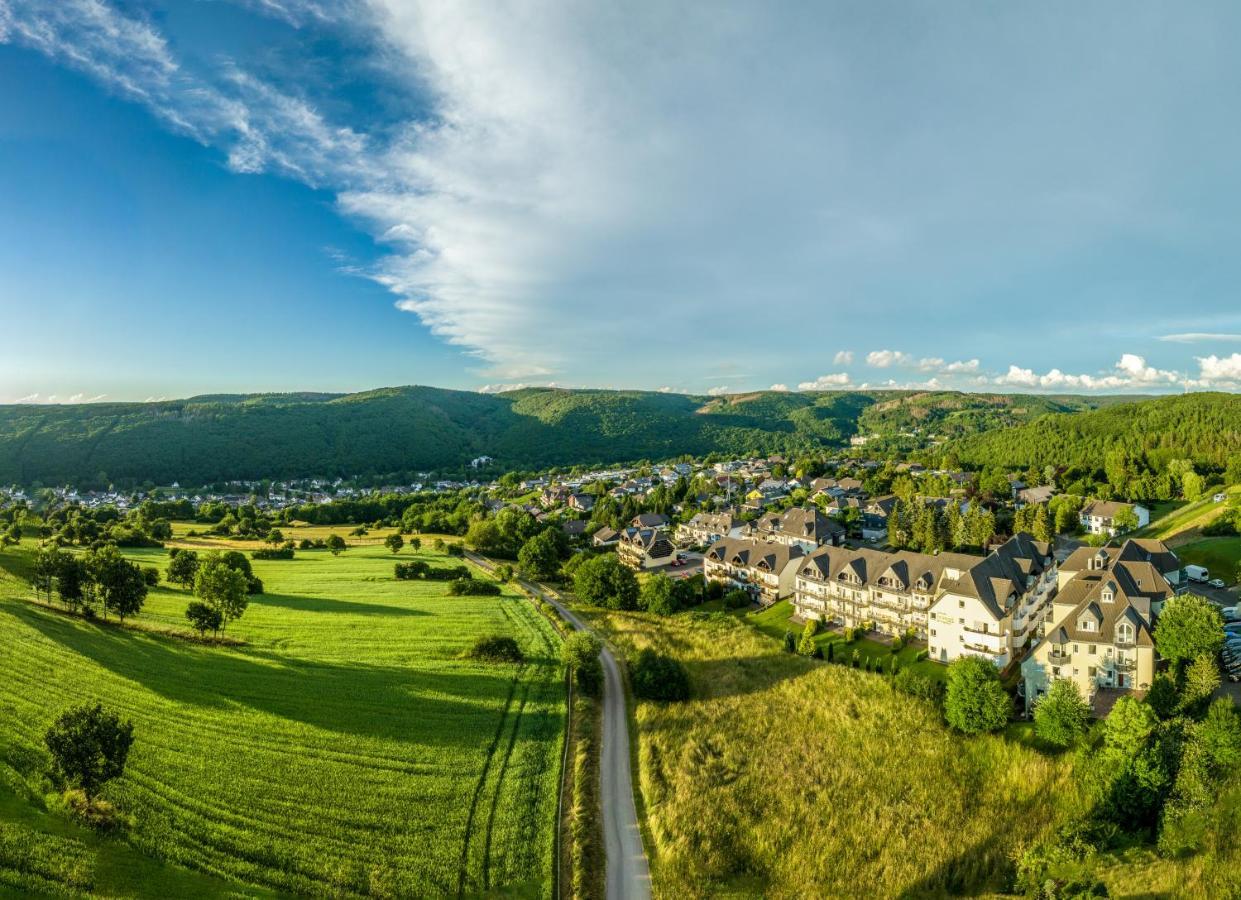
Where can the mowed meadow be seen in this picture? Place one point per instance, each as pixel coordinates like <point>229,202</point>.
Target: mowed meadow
<point>785,777</point>
<point>345,747</point>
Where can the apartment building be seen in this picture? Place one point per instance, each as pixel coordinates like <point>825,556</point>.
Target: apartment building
<point>1102,632</point>
<point>766,570</point>
<point>959,603</point>
<point>997,608</point>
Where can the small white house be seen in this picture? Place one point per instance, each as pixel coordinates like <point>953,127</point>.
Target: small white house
<point>1099,516</point>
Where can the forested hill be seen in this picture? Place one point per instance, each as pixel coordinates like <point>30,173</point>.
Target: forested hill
<point>399,431</point>
<point>1205,428</point>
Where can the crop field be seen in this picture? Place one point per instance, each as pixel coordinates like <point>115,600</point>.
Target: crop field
<point>346,747</point>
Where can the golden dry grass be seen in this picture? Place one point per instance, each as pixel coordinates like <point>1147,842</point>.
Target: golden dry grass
<point>790,778</point>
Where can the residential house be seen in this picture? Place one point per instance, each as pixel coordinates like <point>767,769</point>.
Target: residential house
<point>650,520</point>
<point>875,518</point>
<point>605,537</point>
<point>574,528</point>
<point>1034,495</point>
<point>768,571</point>
<point>1103,634</point>
<point>582,502</point>
<point>707,528</point>
<point>645,548</point>
<point>996,608</point>
<point>1099,516</point>
<point>806,527</point>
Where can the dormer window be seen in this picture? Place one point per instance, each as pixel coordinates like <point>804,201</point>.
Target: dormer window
<point>1124,633</point>
<point>1086,624</point>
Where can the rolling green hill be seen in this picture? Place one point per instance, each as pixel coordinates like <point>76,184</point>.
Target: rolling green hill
<point>1205,428</point>
<point>403,430</point>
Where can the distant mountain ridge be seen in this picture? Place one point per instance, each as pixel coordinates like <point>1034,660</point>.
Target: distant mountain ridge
<point>402,430</point>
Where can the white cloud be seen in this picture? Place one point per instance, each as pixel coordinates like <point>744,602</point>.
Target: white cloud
<point>1200,337</point>
<point>1131,371</point>
<point>961,367</point>
<point>843,358</point>
<point>29,398</point>
<point>721,391</point>
<point>826,382</point>
<point>1217,370</point>
<point>782,388</point>
<point>500,387</point>
<point>883,359</point>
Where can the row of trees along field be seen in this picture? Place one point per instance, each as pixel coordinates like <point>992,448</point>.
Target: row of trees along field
<point>102,582</point>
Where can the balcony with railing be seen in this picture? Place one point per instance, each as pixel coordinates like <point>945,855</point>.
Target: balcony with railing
<point>1059,657</point>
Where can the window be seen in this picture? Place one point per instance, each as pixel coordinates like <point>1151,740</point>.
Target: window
<point>1077,649</point>
<point>961,604</point>
<point>1124,633</point>
<point>1092,649</point>
<point>1092,671</point>
<point>932,635</point>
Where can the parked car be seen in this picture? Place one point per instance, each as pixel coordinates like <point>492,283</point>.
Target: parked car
<point>1230,614</point>
<point>1216,582</point>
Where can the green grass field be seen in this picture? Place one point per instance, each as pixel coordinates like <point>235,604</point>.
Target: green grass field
<point>1221,555</point>
<point>345,748</point>
<point>1170,519</point>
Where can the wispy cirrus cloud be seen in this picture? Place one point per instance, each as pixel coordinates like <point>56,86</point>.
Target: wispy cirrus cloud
<point>1200,337</point>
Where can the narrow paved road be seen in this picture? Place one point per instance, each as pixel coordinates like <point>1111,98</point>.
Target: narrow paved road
<point>628,875</point>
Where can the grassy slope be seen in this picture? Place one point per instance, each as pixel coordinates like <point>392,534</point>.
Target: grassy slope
<point>345,748</point>
<point>791,778</point>
<point>1179,522</point>
<point>1220,555</point>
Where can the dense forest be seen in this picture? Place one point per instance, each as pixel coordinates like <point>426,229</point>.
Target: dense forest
<point>1203,428</point>
<point>400,431</point>
<point>397,432</point>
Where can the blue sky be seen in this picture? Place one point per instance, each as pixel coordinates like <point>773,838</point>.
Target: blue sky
<point>246,195</point>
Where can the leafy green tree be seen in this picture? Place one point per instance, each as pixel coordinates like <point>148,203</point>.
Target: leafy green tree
<point>1062,714</point>
<point>89,747</point>
<point>1162,696</point>
<point>605,581</point>
<point>539,557</point>
<point>975,701</point>
<point>204,617</point>
<point>1126,519</point>
<point>1200,683</point>
<point>394,542</point>
<point>658,595</point>
<point>221,587</point>
<point>182,565</point>
<point>580,653</point>
<point>70,579</point>
<point>1188,627</point>
<point>118,582</point>
<point>335,543</point>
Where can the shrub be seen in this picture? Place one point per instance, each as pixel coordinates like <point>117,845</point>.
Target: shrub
<point>495,648</point>
<point>455,550</point>
<point>470,587</point>
<point>790,642</point>
<point>150,575</point>
<point>408,571</point>
<point>580,653</point>
<point>715,590</point>
<point>850,634</point>
<point>283,552</point>
<point>907,681</point>
<point>446,574</point>
<point>656,677</point>
<point>1062,714</point>
<point>922,656</point>
<point>659,595</point>
<point>975,701</point>
<point>737,599</point>
<point>857,657</point>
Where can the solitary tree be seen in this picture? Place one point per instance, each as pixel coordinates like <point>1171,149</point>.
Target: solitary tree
<point>975,701</point>
<point>89,747</point>
<point>335,543</point>
<point>204,617</point>
<point>394,542</point>
<point>182,564</point>
<point>539,557</point>
<point>1062,714</point>
<point>1188,627</point>
<point>222,587</point>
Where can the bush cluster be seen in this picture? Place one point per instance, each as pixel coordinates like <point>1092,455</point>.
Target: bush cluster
<point>494,648</point>
<point>463,587</point>
<point>656,677</point>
